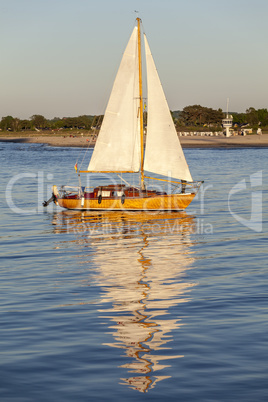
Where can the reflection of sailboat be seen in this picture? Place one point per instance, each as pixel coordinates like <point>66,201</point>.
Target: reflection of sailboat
<point>138,300</point>
<point>120,146</point>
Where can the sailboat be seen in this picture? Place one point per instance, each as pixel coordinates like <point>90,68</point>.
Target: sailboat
<point>125,146</point>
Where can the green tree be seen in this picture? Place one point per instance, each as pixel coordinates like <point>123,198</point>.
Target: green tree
<point>239,118</point>
<point>7,123</point>
<point>26,125</point>
<point>263,117</point>
<point>97,121</point>
<point>84,122</point>
<point>39,121</point>
<point>70,122</point>
<point>252,116</point>
<point>57,124</point>
<point>16,124</point>
<point>197,115</point>
<point>10,123</point>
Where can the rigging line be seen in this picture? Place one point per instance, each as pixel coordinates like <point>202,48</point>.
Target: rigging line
<point>76,163</point>
<point>94,133</point>
<point>176,187</point>
<point>88,145</point>
<point>83,148</point>
<point>99,122</point>
<point>85,153</point>
<point>79,156</point>
<point>120,177</point>
<point>142,27</point>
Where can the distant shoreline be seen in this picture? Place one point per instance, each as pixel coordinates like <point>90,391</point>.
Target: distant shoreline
<point>249,141</point>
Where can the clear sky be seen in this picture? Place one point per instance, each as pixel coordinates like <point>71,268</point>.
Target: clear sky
<point>59,57</point>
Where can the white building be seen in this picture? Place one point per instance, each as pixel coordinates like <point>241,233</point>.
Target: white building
<point>227,122</point>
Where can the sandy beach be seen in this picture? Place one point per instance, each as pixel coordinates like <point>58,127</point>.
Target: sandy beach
<point>186,142</point>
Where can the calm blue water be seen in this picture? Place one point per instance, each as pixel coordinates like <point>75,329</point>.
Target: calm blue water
<point>132,306</point>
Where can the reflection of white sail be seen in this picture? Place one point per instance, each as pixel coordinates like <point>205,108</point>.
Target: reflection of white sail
<point>140,267</point>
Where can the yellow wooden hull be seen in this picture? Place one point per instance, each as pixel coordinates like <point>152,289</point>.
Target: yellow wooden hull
<point>172,202</point>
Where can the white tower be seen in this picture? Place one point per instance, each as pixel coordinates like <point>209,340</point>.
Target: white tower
<point>227,122</point>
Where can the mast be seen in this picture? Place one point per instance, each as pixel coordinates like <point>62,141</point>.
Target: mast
<point>141,103</point>
<point>227,115</point>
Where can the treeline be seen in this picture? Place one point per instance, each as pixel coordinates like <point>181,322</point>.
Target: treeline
<point>252,117</point>
<point>39,122</point>
<point>191,116</point>
<point>197,116</point>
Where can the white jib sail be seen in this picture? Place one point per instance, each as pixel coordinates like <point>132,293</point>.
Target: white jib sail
<point>164,154</point>
<point>118,144</point>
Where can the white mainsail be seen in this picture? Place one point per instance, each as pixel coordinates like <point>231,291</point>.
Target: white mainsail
<point>163,154</point>
<point>118,144</point>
